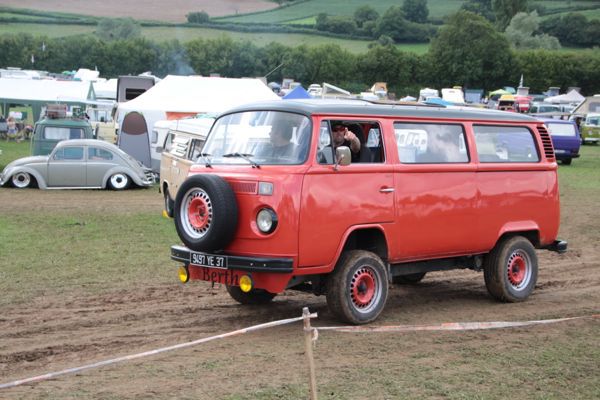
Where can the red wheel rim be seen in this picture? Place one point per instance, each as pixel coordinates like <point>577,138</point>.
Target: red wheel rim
<point>363,287</point>
<point>517,269</point>
<point>198,213</point>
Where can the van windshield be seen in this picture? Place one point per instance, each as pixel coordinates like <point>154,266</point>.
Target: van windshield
<point>259,138</point>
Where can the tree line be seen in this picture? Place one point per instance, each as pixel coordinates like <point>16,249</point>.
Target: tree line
<point>467,51</point>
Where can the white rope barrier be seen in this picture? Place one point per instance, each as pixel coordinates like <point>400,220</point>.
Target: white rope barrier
<point>153,352</point>
<point>449,326</point>
<point>311,334</point>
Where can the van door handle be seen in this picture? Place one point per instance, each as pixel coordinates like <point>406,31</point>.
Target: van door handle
<point>386,190</point>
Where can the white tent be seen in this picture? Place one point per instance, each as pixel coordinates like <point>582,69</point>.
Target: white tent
<point>572,97</point>
<point>39,92</point>
<point>178,96</point>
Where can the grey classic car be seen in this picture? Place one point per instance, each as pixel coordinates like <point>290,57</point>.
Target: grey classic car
<point>78,164</point>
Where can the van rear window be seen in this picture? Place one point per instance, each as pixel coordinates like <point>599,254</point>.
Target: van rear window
<point>430,143</point>
<point>505,144</point>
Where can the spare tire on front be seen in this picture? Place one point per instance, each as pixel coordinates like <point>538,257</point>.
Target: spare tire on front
<point>205,213</point>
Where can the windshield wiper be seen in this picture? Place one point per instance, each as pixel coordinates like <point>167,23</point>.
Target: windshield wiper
<point>245,156</point>
<point>205,157</point>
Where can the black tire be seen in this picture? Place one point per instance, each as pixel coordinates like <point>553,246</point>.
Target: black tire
<point>169,204</point>
<point>357,289</point>
<point>21,180</point>
<point>254,296</point>
<point>410,279</point>
<point>119,181</point>
<point>205,213</point>
<point>511,270</point>
<point>567,161</point>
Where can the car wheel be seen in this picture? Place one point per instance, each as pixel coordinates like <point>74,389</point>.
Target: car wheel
<point>409,279</point>
<point>169,204</point>
<point>567,161</point>
<point>357,288</point>
<point>205,213</point>
<point>511,269</point>
<point>254,296</point>
<point>21,180</point>
<point>119,181</point>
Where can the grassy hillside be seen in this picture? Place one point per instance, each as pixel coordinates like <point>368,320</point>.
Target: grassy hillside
<point>302,13</point>
<point>163,33</point>
<point>437,9</point>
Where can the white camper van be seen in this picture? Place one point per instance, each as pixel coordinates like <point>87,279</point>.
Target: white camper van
<point>189,126</point>
<point>181,146</point>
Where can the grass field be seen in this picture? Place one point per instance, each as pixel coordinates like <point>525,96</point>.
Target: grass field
<point>186,34</point>
<point>302,13</point>
<point>437,9</point>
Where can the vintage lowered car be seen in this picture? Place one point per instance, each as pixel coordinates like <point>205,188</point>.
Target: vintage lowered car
<point>78,164</point>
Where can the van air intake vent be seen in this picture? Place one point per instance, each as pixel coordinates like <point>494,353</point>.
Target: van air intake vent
<point>248,187</point>
<point>547,142</point>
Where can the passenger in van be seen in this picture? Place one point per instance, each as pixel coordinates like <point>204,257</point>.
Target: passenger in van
<point>344,137</point>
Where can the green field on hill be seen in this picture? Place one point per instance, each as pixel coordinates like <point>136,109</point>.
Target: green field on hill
<point>303,13</point>
<point>164,33</point>
<point>437,9</point>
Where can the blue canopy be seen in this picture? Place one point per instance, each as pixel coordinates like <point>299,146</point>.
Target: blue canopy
<point>436,101</point>
<point>298,93</point>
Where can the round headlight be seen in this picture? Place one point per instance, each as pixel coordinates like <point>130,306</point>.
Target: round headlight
<point>266,220</point>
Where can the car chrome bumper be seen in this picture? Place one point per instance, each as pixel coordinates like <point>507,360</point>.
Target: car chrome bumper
<point>250,264</point>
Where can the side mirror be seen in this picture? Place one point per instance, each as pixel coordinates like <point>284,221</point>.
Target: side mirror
<point>159,149</point>
<point>343,156</point>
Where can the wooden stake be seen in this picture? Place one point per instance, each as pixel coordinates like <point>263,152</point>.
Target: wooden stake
<point>308,331</point>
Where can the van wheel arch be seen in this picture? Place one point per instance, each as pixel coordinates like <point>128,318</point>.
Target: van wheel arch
<point>511,269</point>
<point>368,239</point>
<point>169,202</point>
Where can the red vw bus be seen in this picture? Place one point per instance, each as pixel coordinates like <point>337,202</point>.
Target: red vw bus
<point>430,189</point>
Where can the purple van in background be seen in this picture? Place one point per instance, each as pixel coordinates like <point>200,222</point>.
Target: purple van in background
<point>565,139</point>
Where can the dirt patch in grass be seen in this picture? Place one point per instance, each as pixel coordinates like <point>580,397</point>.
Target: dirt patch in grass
<point>172,10</point>
<point>76,326</point>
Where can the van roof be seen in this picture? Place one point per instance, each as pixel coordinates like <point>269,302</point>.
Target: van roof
<point>364,108</point>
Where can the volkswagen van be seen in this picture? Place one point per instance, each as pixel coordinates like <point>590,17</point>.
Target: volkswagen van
<point>565,139</point>
<point>433,189</point>
<point>590,129</point>
<point>56,126</point>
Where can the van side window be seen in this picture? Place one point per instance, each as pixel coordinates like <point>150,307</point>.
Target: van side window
<point>367,132</point>
<point>505,144</point>
<point>430,143</point>
<point>179,146</point>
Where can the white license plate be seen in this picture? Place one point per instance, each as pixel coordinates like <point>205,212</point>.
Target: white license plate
<point>208,260</point>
